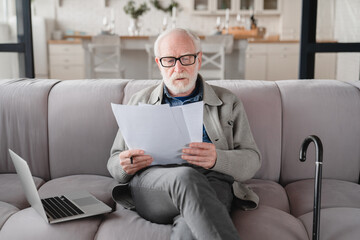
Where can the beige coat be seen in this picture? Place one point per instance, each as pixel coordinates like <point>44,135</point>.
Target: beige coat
<point>226,124</point>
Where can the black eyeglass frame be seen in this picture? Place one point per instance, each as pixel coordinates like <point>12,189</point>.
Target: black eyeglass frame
<point>179,58</point>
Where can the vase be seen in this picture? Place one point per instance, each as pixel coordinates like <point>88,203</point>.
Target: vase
<point>134,27</point>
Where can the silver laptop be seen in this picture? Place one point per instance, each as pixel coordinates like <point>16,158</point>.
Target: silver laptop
<point>61,208</point>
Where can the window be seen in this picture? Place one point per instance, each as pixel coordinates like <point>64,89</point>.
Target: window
<point>16,52</point>
<point>308,45</point>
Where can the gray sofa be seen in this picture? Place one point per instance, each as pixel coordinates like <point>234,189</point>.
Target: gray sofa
<point>65,130</point>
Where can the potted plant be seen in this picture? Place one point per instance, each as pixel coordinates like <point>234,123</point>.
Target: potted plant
<point>167,9</point>
<point>171,9</point>
<point>135,13</point>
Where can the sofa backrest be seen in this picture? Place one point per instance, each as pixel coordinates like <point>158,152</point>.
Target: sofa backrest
<point>24,124</point>
<point>330,110</point>
<point>262,103</point>
<point>82,126</point>
<point>67,127</point>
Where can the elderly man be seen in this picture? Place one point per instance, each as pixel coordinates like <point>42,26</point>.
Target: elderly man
<point>196,197</point>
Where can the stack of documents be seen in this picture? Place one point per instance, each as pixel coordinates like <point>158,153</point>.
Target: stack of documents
<point>160,130</point>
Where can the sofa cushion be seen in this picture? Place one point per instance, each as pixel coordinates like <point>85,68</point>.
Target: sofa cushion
<point>126,224</point>
<point>268,223</point>
<point>6,210</point>
<point>270,194</point>
<point>24,123</point>
<point>12,192</point>
<point>82,127</point>
<point>335,223</point>
<point>100,186</point>
<point>262,103</point>
<point>28,224</point>
<point>330,110</point>
<point>334,193</point>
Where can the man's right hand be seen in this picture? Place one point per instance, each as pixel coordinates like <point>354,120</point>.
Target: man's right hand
<point>139,160</point>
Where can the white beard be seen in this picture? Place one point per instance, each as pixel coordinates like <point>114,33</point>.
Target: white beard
<point>180,87</point>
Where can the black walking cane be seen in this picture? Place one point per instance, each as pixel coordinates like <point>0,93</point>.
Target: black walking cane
<point>318,176</point>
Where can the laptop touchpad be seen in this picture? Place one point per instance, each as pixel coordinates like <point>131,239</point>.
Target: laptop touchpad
<point>85,201</point>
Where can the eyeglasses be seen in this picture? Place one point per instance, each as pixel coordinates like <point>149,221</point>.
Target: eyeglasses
<point>185,60</point>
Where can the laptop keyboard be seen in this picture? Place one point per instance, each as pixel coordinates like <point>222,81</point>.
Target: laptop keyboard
<point>60,207</point>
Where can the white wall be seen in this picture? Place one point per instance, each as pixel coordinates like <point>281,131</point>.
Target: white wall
<point>347,29</point>
<point>86,16</point>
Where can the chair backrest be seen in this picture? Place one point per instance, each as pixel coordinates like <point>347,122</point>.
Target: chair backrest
<point>226,39</point>
<point>105,56</point>
<point>213,61</point>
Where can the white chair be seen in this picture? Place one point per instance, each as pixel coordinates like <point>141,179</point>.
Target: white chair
<point>213,61</point>
<point>105,57</point>
<point>226,39</point>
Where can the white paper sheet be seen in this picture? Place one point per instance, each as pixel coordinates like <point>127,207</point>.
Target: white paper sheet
<point>193,114</point>
<point>160,130</point>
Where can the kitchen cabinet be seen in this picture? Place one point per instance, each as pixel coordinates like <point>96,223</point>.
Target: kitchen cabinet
<point>202,6</point>
<point>272,61</point>
<point>280,61</point>
<point>259,7</point>
<point>282,66</point>
<point>256,58</point>
<point>213,6</point>
<point>66,61</point>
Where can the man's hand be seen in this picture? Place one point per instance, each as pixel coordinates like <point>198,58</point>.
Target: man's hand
<point>139,160</point>
<point>200,153</point>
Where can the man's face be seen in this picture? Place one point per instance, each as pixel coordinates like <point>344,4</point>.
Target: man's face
<point>180,80</point>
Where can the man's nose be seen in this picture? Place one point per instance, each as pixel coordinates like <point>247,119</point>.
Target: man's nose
<point>178,66</point>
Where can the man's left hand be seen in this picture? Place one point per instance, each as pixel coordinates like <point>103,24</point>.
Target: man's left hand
<point>200,153</point>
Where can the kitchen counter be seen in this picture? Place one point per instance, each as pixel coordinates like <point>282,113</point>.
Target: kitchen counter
<point>272,41</point>
<point>75,41</point>
<point>138,42</point>
<point>285,41</point>
<point>79,38</point>
<point>135,58</point>
<point>88,37</point>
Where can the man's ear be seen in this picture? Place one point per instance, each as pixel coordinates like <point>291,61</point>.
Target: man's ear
<point>157,60</point>
<point>199,58</point>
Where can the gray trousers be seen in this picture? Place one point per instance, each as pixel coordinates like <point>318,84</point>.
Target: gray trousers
<point>195,200</point>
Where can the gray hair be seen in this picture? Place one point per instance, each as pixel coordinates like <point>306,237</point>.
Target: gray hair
<point>193,37</point>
